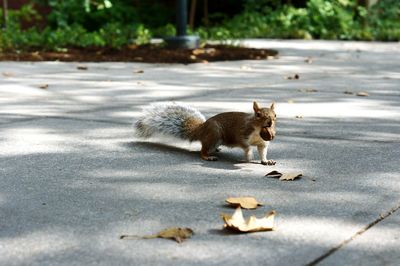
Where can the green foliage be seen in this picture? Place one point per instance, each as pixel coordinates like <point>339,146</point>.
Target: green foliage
<point>116,23</point>
<point>320,19</point>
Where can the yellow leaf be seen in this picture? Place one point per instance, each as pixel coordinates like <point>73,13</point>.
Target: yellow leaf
<point>175,233</point>
<point>290,176</point>
<point>362,94</point>
<point>44,86</point>
<point>244,202</point>
<point>237,222</point>
<point>284,176</point>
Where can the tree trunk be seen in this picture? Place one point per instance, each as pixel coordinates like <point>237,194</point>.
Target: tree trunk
<point>5,13</point>
<point>192,13</point>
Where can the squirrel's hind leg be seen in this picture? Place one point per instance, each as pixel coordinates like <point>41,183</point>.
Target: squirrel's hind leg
<point>208,147</point>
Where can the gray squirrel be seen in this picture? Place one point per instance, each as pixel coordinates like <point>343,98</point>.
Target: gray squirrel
<point>232,129</point>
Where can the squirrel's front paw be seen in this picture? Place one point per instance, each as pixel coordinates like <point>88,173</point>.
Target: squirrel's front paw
<point>209,158</point>
<point>268,162</point>
<point>212,158</point>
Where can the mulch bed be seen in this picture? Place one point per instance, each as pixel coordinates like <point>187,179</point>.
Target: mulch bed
<point>145,54</point>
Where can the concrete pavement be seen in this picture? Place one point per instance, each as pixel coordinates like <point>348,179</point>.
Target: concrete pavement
<point>73,177</point>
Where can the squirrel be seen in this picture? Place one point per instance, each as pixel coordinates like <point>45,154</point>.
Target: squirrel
<point>232,129</point>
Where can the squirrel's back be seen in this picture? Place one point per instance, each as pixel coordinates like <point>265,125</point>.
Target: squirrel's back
<point>173,119</point>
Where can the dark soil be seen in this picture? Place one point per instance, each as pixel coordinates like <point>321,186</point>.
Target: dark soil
<point>145,54</point>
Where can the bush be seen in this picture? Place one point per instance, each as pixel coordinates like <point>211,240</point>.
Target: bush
<point>319,19</point>
<point>117,23</point>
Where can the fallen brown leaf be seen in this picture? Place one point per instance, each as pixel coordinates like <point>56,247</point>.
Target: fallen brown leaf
<point>309,60</point>
<point>244,202</point>
<point>140,71</point>
<point>362,94</point>
<point>8,74</point>
<point>274,174</point>
<point>237,222</point>
<point>290,176</point>
<point>295,76</point>
<point>200,51</point>
<point>82,67</point>
<point>44,86</point>
<point>244,67</point>
<point>308,90</point>
<point>175,233</point>
<point>284,176</point>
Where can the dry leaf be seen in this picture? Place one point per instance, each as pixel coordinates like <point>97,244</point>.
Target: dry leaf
<point>244,202</point>
<point>175,233</point>
<point>237,222</point>
<point>139,71</point>
<point>290,176</point>
<point>274,174</point>
<point>82,67</point>
<point>44,86</point>
<point>200,51</point>
<point>348,92</point>
<point>362,94</point>
<point>309,60</point>
<point>284,176</point>
<point>295,76</point>
<point>244,67</point>
<point>308,90</point>
<point>8,74</point>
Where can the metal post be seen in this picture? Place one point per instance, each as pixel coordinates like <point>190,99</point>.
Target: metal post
<point>181,17</point>
<point>181,40</point>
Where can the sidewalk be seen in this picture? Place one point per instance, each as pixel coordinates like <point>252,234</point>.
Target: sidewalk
<point>73,178</point>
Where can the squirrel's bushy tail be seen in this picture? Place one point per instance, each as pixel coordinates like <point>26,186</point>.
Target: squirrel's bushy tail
<point>173,119</point>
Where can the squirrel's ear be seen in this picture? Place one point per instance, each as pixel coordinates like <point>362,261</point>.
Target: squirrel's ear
<point>256,107</point>
<point>272,107</point>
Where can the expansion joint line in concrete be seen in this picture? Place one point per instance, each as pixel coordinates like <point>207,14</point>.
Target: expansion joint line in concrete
<point>381,217</point>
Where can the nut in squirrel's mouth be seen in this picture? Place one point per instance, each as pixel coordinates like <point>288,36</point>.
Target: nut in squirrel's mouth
<point>267,133</point>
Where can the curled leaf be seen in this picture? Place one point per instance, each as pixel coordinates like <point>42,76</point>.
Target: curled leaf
<point>237,222</point>
<point>284,176</point>
<point>244,202</point>
<point>81,67</point>
<point>362,94</point>
<point>309,60</point>
<point>44,86</point>
<point>295,76</point>
<point>290,176</point>
<point>274,174</point>
<point>175,233</point>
